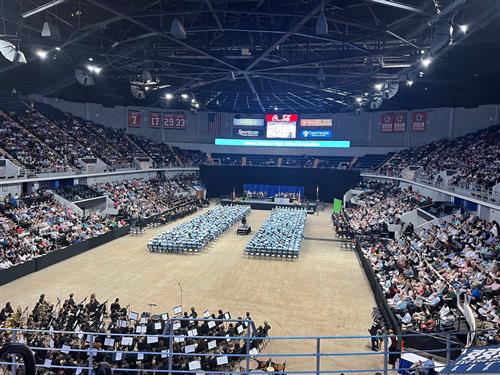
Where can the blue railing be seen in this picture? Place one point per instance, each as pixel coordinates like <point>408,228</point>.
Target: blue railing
<point>325,356</point>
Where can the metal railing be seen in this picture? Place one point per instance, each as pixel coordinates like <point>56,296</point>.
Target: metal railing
<point>326,354</point>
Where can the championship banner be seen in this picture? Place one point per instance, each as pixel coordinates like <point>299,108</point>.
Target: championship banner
<point>154,120</point>
<point>386,122</point>
<point>399,122</point>
<point>419,120</point>
<point>174,121</point>
<point>134,119</point>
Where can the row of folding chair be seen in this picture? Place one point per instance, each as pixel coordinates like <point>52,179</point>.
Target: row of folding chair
<point>273,253</point>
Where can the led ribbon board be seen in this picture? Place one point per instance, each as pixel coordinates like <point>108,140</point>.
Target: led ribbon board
<point>281,143</point>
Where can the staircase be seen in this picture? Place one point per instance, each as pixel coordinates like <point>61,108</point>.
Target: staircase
<point>209,158</point>
<point>244,161</point>
<point>315,163</point>
<point>280,160</point>
<point>131,140</point>
<point>177,158</point>
<point>353,162</point>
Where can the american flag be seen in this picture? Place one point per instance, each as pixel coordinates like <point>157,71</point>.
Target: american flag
<point>214,124</point>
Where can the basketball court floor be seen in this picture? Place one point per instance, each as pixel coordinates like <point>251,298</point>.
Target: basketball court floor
<point>323,293</point>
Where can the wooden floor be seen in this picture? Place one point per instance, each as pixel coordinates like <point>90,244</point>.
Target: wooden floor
<point>323,293</point>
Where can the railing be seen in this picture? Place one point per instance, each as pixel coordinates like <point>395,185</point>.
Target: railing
<point>472,191</point>
<point>313,354</point>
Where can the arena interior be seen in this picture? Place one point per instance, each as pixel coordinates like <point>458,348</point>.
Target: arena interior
<point>249,186</point>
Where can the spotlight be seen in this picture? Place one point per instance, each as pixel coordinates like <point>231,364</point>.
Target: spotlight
<point>464,28</point>
<point>184,96</point>
<point>91,59</point>
<point>197,105</point>
<point>421,74</point>
<point>58,48</point>
<point>193,101</point>
<point>378,86</point>
<point>169,96</point>
<point>275,108</point>
<point>359,100</point>
<point>41,54</point>
<point>94,69</point>
<point>366,94</point>
<point>409,83</point>
<point>426,62</point>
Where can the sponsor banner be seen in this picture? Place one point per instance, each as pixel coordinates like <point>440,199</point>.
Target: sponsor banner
<point>154,120</point>
<point>399,122</point>
<point>386,122</point>
<point>247,133</point>
<point>248,121</point>
<point>174,121</point>
<point>274,117</point>
<point>281,143</point>
<point>419,121</point>
<point>317,122</point>
<point>317,133</point>
<point>134,119</point>
<point>478,360</point>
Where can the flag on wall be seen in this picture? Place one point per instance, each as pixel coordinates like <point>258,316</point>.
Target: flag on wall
<point>214,124</point>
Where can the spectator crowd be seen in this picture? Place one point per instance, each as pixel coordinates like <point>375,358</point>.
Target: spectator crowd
<point>35,224</point>
<point>422,271</point>
<point>475,158</point>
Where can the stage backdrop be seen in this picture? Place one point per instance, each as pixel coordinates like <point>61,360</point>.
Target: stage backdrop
<point>332,183</point>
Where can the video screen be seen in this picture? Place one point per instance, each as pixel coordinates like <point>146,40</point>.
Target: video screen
<point>281,126</point>
<point>281,130</point>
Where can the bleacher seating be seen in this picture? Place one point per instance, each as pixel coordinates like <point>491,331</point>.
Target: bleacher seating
<point>77,192</point>
<point>371,161</point>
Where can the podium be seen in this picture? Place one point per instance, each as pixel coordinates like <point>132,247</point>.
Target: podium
<point>244,230</point>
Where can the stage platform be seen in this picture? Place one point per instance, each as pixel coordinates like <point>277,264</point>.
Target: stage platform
<point>261,204</point>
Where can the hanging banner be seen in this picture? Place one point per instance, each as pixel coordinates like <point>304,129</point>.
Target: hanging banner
<point>386,122</point>
<point>419,120</point>
<point>134,119</point>
<point>174,121</point>
<point>154,120</point>
<point>399,122</point>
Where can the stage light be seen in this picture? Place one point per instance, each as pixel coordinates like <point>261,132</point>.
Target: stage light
<point>463,28</point>
<point>378,86</point>
<point>169,96</point>
<point>359,100</point>
<point>91,59</point>
<point>421,74</point>
<point>41,54</point>
<point>426,61</point>
<point>58,48</point>
<point>193,101</point>
<point>409,83</point>
<point>184,96</point>
<point>366,94</point>
<point>94,69</point>
<point>197,105</point>
<point>275,108</point>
